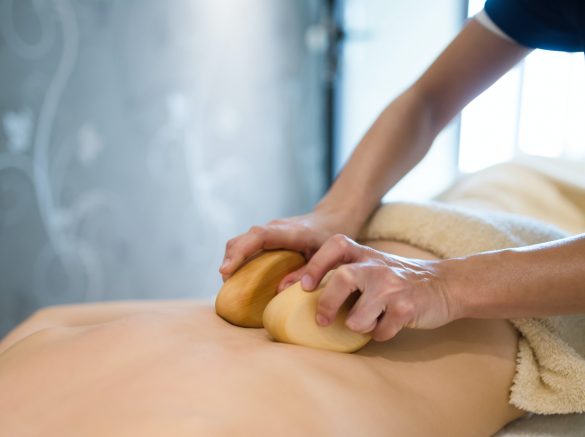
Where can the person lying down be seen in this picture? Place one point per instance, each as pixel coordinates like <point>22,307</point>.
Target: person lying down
<point>175,368</point>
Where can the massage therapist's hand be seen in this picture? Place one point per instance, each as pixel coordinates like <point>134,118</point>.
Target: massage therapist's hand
<point>404,292</point>
<point>304,233</point>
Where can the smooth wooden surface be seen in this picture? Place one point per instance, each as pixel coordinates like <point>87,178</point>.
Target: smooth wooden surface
<point>290,318</point>
<point>177,369</point>
<point>248,299</point>
<point>197,375</point>
<point>243,297</point>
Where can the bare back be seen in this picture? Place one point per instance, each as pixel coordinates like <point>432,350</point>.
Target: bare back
<point>177,369</point>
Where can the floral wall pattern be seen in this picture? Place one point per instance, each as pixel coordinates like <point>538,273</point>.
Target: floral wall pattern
<point>136,137</point>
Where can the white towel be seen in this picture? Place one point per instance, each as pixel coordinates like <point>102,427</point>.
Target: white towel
<point>511,205</point>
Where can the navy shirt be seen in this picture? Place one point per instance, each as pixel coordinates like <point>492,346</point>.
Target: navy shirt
<point>544,24</point>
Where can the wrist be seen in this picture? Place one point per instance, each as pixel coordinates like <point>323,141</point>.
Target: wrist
<point>479,284</point>
<point>453,274</point>
<point>347,219</point>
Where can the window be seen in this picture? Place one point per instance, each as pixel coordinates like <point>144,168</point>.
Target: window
<point>537,108</point>
<point>388,45</point>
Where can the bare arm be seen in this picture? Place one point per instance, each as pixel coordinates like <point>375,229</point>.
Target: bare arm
<point>542,280</point>
<point>395,143</point>
<point>405,130</point>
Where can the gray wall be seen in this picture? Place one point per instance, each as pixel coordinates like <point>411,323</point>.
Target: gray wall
<point>136,137</point>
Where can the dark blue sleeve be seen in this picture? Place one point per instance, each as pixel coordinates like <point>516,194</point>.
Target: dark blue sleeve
<point>545,24</point>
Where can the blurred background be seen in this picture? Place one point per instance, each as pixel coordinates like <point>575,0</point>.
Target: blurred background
<point>136,137</point>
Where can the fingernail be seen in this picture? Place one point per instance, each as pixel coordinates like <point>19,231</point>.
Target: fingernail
<point>351,324</point>
<point>322,320</point>
<point>307,282</point>
<point>225,263</point>
<point>283,286</point>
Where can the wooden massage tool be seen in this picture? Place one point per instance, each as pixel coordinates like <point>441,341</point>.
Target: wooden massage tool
<point>248,299</point>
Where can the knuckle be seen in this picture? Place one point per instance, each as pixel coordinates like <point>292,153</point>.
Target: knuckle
<point>345,273</point>
<point>257,230</point>
<point>403,308</point>
<point>341,241</point>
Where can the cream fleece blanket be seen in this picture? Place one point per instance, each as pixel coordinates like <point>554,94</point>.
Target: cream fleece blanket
<point>511,205</point>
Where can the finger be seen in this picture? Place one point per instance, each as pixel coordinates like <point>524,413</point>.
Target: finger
<point>396,317</point>
<point>257,238</point>
<point>343,282</point>
<point>338,249</point>
<point>363,317</point>
<point>241,248</point>
<point>291,278</point>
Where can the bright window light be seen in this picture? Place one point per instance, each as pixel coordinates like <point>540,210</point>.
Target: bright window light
<point>537,108</point>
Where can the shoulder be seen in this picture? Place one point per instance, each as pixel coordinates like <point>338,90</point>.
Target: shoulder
<point>546,24</point>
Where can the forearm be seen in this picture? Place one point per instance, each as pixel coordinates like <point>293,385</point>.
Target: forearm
<point>541,280</point>
<point>405,130</point>
<point>393,145</point>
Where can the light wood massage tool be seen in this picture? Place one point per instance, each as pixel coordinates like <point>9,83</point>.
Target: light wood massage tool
<point>248,299</point>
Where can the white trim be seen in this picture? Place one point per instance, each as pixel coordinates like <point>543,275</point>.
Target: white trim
<point>484,19</point>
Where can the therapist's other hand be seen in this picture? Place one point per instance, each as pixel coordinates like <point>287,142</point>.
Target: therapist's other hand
<point>304,233</point>
<point>396,292</point>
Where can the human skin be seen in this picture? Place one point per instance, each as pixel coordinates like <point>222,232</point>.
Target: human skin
<point>177,369</point>
<point>398,139</point>
<point>541,280</point>
<point>547,279</point>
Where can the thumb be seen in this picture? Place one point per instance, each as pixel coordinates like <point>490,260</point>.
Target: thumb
<point>291,278</point>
